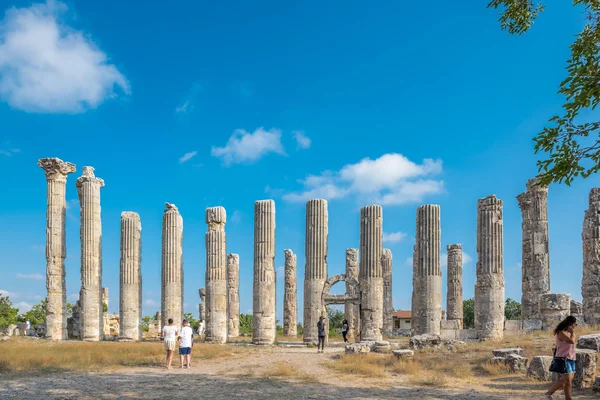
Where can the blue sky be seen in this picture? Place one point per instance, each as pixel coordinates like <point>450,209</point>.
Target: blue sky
<point>203,104</point>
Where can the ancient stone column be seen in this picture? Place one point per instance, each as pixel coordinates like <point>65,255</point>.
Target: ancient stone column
<point>202,305</point>
<point>172,266</point>
<point>489,289</point>
<point>264,307</point>
<point>427,272</point>
<point>130,296</point>
<point>371,272</point>
<point>290,322</point>
<point>388,302</point>
<point>315,270</point>
<point>233,295</point>
<point>216,276</point>
<point>554,307</point>
<point>90,296</point>
<point>590,284</point>
<point>535,255</point>
<point>351,310</point>
<point>56,250</point>
<point>454,299</point>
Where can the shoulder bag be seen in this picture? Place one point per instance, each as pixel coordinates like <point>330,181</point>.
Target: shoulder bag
<point>558,364</point>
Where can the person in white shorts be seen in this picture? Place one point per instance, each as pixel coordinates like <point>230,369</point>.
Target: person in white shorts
<point>185,343</point>
<point>169,334</point>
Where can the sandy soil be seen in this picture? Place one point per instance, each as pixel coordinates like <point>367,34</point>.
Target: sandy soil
<point>247,376</point>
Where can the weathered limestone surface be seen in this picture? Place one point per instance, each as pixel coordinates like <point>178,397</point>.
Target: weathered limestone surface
<point>290,322</point>
<point>427,273</point>
<point>591,342</point>
<point>105,316</point>
<point>264,307</point>
<point>576,308</point>
<point>202,305</point>
<point>74,322</point>
<point>586,368</point>
<point>130,298</point>
<point>388,301</point>
<point>90,296</point>
<point>371,272</point>
<point>216,276</point>
<point>538,368</point>
<point>489,289</point>
<point>454,299</point>
<point>554,307</point>
<point>505,352</point>
<point>590,283</point>
<point>233,295</point>
<point>351,310</point>
<point>535,254</point>
<point>315,271</point>
<point>172,266</point>
<point>56,251</point>
<point>426,340</point>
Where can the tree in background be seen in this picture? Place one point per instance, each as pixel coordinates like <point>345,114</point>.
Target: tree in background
<point>146,323</point>
<point>104,307</point>
<point>469,313</point>
<point>37,314</point>
<point>570,140</point>
<point>8,314</point>
<point>192,321</point>
<point>512,309</point>
<point>245,324</point>
<point>336,318</point>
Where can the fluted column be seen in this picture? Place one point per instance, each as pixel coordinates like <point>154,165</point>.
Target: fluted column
<point>172,266</point>
<point>264,307</point>
<point>535,254</point>
<point>427,272</point>
<point>388,301</point>
<point>590,284</point>
<point>130,298</point>
<point>88,189</point>
<point>233,295</point>
<point>371,272</point>
<point>216,276</point>
<point>315,271</point>
<point>202,305</point>
<point>351,310</point>
<point>290,322</point>
<point>489,289</point>
<point>454,299</point>
<point>56,249</point>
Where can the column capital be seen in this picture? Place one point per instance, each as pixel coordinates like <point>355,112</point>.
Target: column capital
<point>56,168</point>
<point>88,176</point>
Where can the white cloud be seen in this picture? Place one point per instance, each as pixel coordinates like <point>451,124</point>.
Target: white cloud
<point>9,294</point>
<point>236,217</point>
<point>70,203</point>
<point>150,302</point>
<point>444,259</point>
<point>302,140</point>
<point>391,179</point>
<point>73,296</point>
<point>23,306</point>
<point>48,67</point>
<point>35,277</point>
<point>9,152</point>
<point>280,272</point>
<point>187,156</point>
<point>184,107</point>
<point>393,237</point>
<point>245,147</point>
<point>409,261</point>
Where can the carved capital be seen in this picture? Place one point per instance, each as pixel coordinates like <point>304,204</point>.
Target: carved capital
<point>56,168</point>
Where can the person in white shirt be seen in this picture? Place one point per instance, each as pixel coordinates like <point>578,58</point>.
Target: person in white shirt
<point>169,334</point>
<point>185,343</point>
<point>201,329</point>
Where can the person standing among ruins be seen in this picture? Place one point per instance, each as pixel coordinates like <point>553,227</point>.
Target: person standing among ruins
<point>565,348</point>
<point>345,330</point>
<point>169,335</point>
<point>321,329</point>
<point>185,344</point>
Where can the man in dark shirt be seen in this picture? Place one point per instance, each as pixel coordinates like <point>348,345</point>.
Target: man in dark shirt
<point>321,328</point>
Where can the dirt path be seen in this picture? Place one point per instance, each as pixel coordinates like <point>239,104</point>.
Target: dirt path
<point>247,376</point>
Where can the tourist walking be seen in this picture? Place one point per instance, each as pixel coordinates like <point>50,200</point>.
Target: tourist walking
<point>169,335</point>
<point>564,356</point>
<point>345,330</point>
<point>185,344</point>
<point>321,328</point>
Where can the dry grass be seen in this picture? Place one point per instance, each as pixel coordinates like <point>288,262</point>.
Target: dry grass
<point>285,370</point>
<point>26,355</point>
<point>428,379</point>
<point>370,365</point>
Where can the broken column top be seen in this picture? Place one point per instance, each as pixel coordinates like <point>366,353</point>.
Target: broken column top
<point>233,258</point>
<point>594,197</point>
<point>269,201</point>
<point>171,207</point>
<point>216,217</point>
<point>88,176</point>
<point>533,184</point>
<point>130,214</point>
<point>451,247</point>
<point>490,202</point>
<point>387,253</point>
<point>288,252</point>
<point>202,292</point>
<point>352,254</point>
<point>56,166</point>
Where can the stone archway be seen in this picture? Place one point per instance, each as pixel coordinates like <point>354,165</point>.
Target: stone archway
<point>352,295</point>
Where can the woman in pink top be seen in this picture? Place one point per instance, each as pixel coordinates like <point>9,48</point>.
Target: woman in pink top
<point>565,347</point>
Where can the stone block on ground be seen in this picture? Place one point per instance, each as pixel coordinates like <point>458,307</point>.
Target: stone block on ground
<point>576,308</point>
<point>453,324</point>
<point>513,325</point>
<point>586,368</point>
<point>538,368</point>
<point>453,344</point>
<point>516,363</point>
<point>532,325</point>
<point>382,347</point>
<point>403,353</point>
<point>449,334</point>
<point>468,334</point>
<point>596,387</point>
<point>591,342</point>
<point>505,352</point>
<point>359,348</point>
<point>423,341</point>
